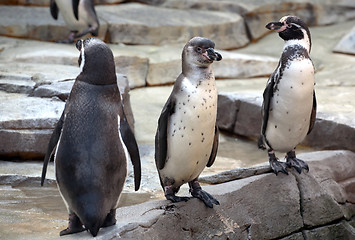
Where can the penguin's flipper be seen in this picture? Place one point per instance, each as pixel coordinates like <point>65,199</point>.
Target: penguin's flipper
<point>132,147</point>
<point>54,9</point>
<point>161,144</point>
<point>76,8</point>
<point>52,146</point>
<point>214,147</point>
<point>267,95</point>
<point>313,114</point>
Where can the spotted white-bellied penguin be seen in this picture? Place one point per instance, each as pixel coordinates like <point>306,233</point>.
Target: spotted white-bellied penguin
<point>289,107</point>
<point>187,136</point>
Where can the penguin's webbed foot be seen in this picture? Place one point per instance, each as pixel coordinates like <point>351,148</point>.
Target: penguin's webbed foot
<point>175,199</point>
<point>276,165</point>
<point>74,225</point>
<point>298,164</point>
<point>197,192</point>
<point>170,194</point>
<point>110,219</point>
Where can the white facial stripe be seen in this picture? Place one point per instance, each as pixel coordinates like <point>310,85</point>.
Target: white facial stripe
<point>82,56</point>
<point>294,24</point>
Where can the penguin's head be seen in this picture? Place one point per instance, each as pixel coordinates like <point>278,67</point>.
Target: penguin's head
<point>200,52</point>
<point>291,28</point>
<point>96,62</point>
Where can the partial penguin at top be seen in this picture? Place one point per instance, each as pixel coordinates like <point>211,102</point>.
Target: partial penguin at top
<point>79,16</point>
<point>289,106</point>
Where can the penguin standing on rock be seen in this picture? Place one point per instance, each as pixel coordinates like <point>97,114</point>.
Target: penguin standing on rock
<point>289,107</point>
<point>92,143</point>
<point>79,16</point>
<point>187,136</point>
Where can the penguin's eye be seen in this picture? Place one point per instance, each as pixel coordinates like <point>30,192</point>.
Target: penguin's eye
<point>199,49</point>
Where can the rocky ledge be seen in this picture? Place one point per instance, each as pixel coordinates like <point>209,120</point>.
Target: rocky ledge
<point>316,205</point>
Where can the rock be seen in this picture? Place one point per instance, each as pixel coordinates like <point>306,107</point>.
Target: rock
<point>237,65</point>
<point>16,83</point>
<point>254,207</point>
<point>346,44</point>
<point>26,124</point>
<point>36,23</point>
<point>234,174</point>
<point>244,114</point>
<point>38,73</point>
<point>129,60</point>
<point>342,230</point>
<point>56,89</point>
<point>332,131</point>
<point>147,25</point>
<point>258,13</point>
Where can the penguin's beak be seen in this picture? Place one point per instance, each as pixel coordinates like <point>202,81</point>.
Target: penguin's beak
<point>276,26</point>
<point>213,55</point>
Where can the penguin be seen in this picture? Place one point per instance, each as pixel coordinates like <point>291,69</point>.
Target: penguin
<point>79,16</point>
<point>186,139</point>
<point>289,106</point>
<point>92,143</point>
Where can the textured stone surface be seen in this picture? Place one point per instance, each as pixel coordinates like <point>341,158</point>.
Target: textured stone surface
<point>148,25</point>
<point>346,44</point>
<point>258,13</point>
<point>26,124</point>
<point>35,23</point>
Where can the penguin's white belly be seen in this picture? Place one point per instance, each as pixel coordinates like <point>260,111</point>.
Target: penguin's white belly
<point>291,106</point>
<point>191,131</point>
<point>66,10</point>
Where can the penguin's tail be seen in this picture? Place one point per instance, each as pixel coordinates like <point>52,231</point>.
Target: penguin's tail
<point>92,221</point>
<point>91,214</point>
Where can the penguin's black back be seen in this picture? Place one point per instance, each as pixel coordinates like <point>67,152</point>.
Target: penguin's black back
<point>90,160</point>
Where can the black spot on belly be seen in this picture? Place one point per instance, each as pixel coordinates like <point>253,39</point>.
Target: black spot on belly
<point>202,134</point>
<point>197,162</point>
<point>291,87</point>
<point>192,129</point>
<point>182,135</point>
<point>275,126</point>
<point>289,130</point>
<point>286,112</point>
<point>198,116</point>
<point>203,139</point>
<point>190,144</point>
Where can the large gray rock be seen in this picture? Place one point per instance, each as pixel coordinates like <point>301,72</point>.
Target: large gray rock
<point>26,124</point>
<point>261,207</point>
<point>258,13</point>
<point>241,114</point>
<point>130,61</point>
<point>36,23</point>
<point>346,44</point>
<point>147,25</point>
